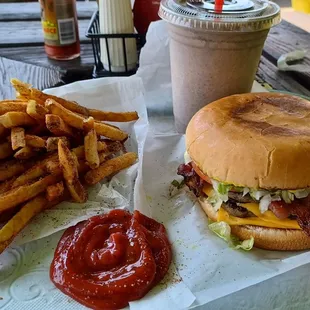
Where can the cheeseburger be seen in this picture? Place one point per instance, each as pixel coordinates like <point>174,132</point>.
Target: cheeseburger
<point>248,160</point>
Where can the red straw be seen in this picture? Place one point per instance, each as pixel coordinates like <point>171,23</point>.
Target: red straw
<point>218,6</point>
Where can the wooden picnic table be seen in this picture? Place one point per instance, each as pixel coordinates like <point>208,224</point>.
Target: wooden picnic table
<point>22,53</point>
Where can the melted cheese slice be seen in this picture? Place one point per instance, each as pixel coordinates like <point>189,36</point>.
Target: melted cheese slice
<point>266,219</point>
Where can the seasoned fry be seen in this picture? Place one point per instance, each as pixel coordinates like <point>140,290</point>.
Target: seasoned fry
<point>22,88</point>
<point>13,105</point>
<point>68,162</point>
<point>3,131</point>
<point>12,168</point>
<point>6,185</point>
<point>90,143</point>
<point>25,153</point>
<point>70,105</point>
<point>23,217</point>
<point>91,151</point>
<point>27,92</point>
<point>114,146</point>
<point>54,191</point>
<point>33,173</point>
<point>52,143</point>
<point>77,191</point>
<point>35,141</point>
<point>20,220</point>
<point>30,175</point>
<point>36,110</point>
<point>113,116</point>
<point>57,126</point>
<point>23,193</point>
<point>80,150</point>
<point>38,130</point>
<point>15,119</point>
<point>110,167</point>
<point>76,121</point>
<point>52,166</point>
<point>18,138</point>
<point>88,124</point>
<point>5,150</point>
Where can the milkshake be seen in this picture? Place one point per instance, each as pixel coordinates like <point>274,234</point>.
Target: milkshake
<point>214,55</point>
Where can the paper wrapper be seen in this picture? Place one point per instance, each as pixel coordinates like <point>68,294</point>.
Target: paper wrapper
<point>204,268</point>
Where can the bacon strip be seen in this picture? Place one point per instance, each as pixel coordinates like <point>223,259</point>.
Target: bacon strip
<point>191,178</point>
<point>300,210</point>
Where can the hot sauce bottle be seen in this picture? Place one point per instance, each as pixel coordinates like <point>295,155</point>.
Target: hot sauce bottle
<point>60,29</point>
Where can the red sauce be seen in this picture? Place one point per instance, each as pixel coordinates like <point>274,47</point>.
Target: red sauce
<point>111,259</point>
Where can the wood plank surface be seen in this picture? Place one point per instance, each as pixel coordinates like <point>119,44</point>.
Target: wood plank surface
<point>30,32</point>
<point>39,76</point>
<point>283,39</point>
<point>36,55</point>
<point>31,11</point>
<point>268,73</point>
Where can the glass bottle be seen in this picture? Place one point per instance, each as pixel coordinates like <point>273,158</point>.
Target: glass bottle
<point>60,29</point>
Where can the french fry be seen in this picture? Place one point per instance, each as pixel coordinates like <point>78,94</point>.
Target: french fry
<point>80,150</point>
<point>36,110</point>
<point>6,215</point>
<point>114,146</point>
<point>25,91</point>
<point>52,166</point>
<point>76,121</point>
<point>23,193</point>
<point>113,116</point>
<point>69,166</point>
<point>90,143</point>
<point>5,150</point>
<point>6,185</point>
<point>31,174</point>
<point>70,105</point>
<point>13,105</point>
<point>38,130</point>
<point>35,141</point>
<point>91,151</point>
<point>22,88</point>
<point>57,126</point>
<point>88,124</point>
<point>54,191</point>
<point>15,119</point>
<point>3,131</point>
<point>77,191</point>
<point>110,167</point>
<point>52,143</point>
<point>20,220</point>
<point>25,153</point>
<point>12,168</point>
<point>23,217</point>
<point>67,162</point>
<point>18,138</point>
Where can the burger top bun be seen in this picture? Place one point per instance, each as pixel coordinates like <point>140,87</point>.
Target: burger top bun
<point>258,140</point>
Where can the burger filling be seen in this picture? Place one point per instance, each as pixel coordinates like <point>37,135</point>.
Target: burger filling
<point>287,209</point>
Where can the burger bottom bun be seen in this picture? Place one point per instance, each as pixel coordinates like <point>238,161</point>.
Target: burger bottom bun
<point>264,237</point>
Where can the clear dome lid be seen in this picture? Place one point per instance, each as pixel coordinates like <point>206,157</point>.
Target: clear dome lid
<point>236,15</point>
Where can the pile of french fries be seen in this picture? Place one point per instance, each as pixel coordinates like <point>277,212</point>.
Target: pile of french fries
<point>51,149</point>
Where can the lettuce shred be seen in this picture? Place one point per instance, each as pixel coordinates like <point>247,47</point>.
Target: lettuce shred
<point>223,230</point>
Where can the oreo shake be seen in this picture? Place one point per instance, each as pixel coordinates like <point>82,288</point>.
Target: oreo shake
<point>214,55</point>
